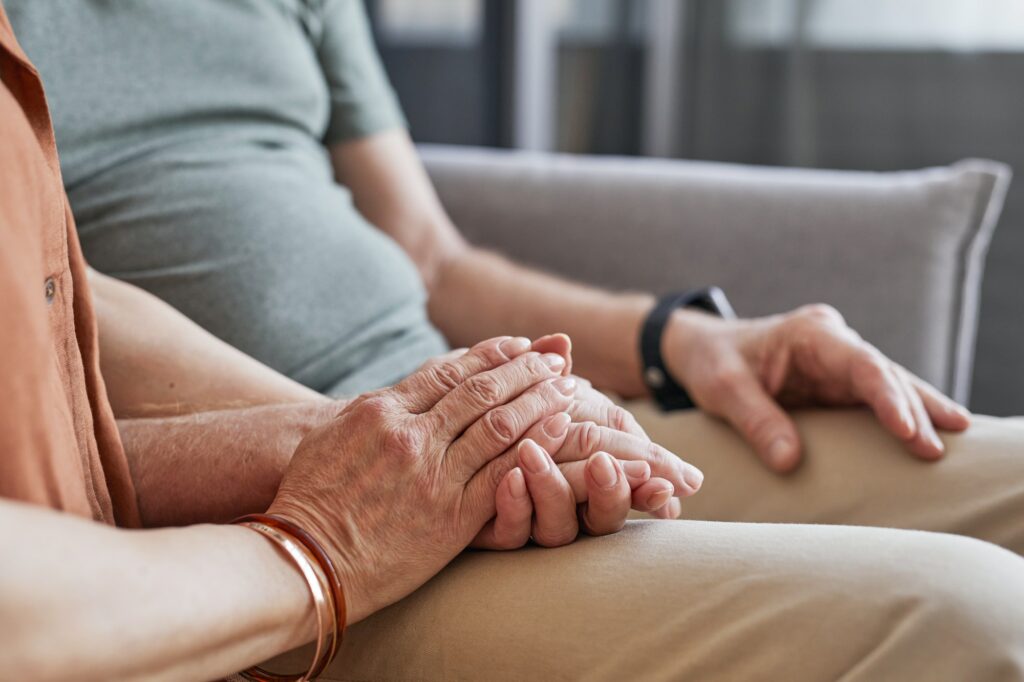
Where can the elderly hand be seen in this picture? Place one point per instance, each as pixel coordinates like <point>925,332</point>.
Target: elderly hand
<point>594,478</point>
<point>746,370</point>
<point>404,478</point>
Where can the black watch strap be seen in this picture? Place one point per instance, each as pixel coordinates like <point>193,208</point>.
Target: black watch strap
<point>665,390</point>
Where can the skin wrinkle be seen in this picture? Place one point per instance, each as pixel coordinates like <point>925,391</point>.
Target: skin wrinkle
<point>177,461</point>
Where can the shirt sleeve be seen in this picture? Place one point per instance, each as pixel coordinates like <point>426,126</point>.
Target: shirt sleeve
<point>361,97</point>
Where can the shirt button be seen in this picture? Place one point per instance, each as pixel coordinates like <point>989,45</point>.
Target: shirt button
<point>50,289</point>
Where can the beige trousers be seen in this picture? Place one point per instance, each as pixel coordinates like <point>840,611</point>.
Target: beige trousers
<point>798,578</point>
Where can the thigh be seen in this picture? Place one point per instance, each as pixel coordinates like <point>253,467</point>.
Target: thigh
<point>855,473</point>
<point>706,601</point>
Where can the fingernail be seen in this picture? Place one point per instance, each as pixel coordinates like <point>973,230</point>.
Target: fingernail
<point>659,499</point>
<point>603,470</point>
<point>554,361</point>
<point>779,452</point>
<point>566,386</point>
<point>514,346</point>
<point>532,457</point>
<point>556,425</point>
<point>636,469</point>
<point>516,484</point>
<point>693,476</point>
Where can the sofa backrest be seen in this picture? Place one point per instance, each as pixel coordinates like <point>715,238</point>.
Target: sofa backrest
<point>900,254</point>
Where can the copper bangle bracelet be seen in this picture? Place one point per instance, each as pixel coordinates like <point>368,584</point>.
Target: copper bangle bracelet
<point>324,586</point>
<point>317,550</point>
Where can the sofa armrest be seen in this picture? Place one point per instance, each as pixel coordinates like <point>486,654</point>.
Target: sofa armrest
<point>900,254</point>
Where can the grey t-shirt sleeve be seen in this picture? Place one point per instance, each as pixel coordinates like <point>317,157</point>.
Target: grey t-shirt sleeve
<point>361,97</point>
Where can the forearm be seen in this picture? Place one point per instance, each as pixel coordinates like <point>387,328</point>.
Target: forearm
<point>479,294</point>
<point>215,466</point>
<point>90,602</point>
<point>474,294</point>
<point>155,361</point>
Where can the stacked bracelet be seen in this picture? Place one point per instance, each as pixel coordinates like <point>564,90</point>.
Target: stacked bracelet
<point>324,585</point>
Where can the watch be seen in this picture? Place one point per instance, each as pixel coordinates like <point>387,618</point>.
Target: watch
<point>665,390</point>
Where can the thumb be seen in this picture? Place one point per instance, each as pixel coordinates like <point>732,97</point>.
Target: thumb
<point>762,423</point>
<point>560,344</point>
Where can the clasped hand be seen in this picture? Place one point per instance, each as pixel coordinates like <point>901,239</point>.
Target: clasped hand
<point>476,449</point>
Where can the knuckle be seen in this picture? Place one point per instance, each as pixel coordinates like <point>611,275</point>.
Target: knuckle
<point>588,437</point>
<point>484,389</point>
<point>445,375</point>
<point>374,406</point>
<point>557,536</point>
<point>656,455</point>
<point>403,441</point>
<point>502,426</point>
<point>868,368</point>
<point>535,366</point>
<point>823,312</point>
<point>618,418</point>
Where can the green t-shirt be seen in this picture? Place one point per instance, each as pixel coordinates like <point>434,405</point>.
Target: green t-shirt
<point>193,138</point>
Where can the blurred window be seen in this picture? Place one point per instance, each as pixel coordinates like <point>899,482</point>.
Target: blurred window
<point>430,21</point>
<point>600,48</point>
<point>597,20</point>
<point>970,25</point>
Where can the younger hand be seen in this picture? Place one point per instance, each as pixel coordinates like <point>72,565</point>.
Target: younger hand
<point>598,423</point>
<point>551,503</point>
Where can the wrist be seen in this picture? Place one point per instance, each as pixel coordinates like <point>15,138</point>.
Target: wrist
<point>318,570</point>
<point>327,532</point>
<point>680,341</point>
<point>283,588</point>
<point>620,370</point>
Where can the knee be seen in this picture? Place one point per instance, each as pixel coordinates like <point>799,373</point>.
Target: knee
<point>965,609</point>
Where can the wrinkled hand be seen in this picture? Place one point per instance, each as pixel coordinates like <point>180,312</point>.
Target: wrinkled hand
<point>404,478</point>
<point>599,424</point>
<point>746,371</point>
<point>601,465</point>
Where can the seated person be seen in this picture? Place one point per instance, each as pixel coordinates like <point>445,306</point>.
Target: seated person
<point>247,163</point>
<point>682,599</point>
<point>464,462</point>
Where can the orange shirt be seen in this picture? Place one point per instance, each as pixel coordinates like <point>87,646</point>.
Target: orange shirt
<point>59,444</point>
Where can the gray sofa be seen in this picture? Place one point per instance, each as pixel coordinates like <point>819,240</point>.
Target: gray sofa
<point>901,255</point>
